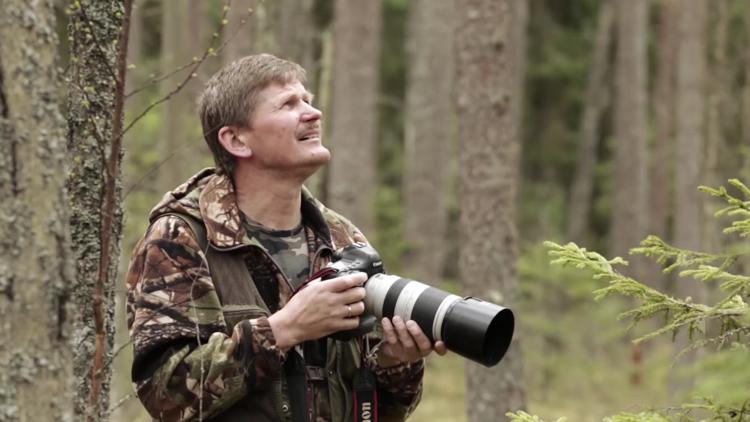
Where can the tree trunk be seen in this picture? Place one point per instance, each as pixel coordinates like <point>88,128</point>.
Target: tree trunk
<point>239,31</point>
<point>690,132</point>
<point>745,117</point>
<point>489,153</point>
<point>719,85</point>
<point>597,98</point>
<point>94,134</point>
<point>662,162</point>
<point>175,52</point>
<point>36,268</point>
<point>691,129</point>
<point>356,59</point>
<point>630,212</point>
<point>429,131</point>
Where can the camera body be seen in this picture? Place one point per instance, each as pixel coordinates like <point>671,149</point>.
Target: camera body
<point>357,257</point>
<point>473,328</point>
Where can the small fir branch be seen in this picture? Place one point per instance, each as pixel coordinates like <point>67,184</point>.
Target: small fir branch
<point>639,417</point>
<point>738,208</point>
<point>679,313</point>
<point>522,416</point>
<point>673,257</point>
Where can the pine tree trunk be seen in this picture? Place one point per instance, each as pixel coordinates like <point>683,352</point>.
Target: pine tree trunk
<point>239,31</point>
<point>297,36</point>
<point>662,162</point>
<point>175,52</point>
<point>744,172</point>
<point>691,129</point>
<point>94,133</point>
<point>690,134</point>
<point>719,85</point>
<point>356,59</point>
<point>630,212</point>
<point>489,153</point>
<point>597,97</point>
<point>429,131</point>
<point>36,266</point>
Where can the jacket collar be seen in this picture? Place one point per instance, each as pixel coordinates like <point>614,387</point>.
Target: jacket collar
<point>223,220</point>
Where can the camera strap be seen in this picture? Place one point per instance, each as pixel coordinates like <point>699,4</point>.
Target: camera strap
<point>365,396</point>
<point>365,390</point>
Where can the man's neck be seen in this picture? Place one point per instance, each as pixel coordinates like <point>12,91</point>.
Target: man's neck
<point>268,199</point>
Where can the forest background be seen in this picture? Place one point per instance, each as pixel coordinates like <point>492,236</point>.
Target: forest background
<point>605,118</point>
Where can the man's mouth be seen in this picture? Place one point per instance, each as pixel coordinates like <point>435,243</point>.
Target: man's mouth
<point>309,136</point>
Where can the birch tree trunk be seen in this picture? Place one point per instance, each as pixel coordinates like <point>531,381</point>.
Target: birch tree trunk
<point>356,58</point>
<point>94,132</point>
<point>597,98</point>
<point>36,269</point>
<point>488,153</point>
<point>630,206</point>
<point>429,131</point>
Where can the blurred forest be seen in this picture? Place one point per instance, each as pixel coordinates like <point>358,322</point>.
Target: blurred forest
<point>625,108</point>
<point>611,113</point>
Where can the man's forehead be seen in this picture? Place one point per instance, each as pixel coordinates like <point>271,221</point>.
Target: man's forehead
<point>281,89</point>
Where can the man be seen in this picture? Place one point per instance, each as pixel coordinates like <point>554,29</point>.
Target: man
<point>224,322</point>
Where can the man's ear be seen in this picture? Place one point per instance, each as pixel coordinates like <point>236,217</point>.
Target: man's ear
<point>233,141</point>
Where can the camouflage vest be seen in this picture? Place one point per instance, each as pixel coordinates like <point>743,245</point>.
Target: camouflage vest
<point>240,299</point>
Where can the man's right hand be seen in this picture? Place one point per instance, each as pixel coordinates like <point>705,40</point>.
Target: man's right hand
<point>319,309</point>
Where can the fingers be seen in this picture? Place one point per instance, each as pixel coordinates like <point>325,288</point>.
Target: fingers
<point>408,340</point>
<point>345,282</point>
<point>389,333</point>
<point>420,339</point>
<point>404,337</point>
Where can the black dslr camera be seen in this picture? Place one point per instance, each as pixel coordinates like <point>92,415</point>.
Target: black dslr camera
<point>478,330</point>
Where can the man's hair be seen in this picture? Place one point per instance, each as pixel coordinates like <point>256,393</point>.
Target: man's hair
<point>230,97</point>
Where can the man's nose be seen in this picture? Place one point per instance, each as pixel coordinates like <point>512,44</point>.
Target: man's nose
<point>311,113</point>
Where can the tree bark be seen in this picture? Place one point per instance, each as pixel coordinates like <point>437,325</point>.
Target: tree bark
<point>429,131</point>
<point>36,265</point>
<point>719,85</point>
<point>662,162</point>
<point>629,207</point>
<point>597,98</point>
<point>690,133</point>
<point>94,133</point>
<point>489,153</point>
<point>691,128</point>
<point>175,52</point>
<point>239,30</point>
<point>356,59</point>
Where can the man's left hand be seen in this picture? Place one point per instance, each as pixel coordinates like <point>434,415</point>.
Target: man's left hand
<point>405,342</point>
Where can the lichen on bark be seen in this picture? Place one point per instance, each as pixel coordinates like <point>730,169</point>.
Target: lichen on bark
<point>95,227</point>
<point>34,241</point>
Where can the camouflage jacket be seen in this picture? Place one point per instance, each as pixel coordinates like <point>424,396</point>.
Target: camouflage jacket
<point>197,355</point>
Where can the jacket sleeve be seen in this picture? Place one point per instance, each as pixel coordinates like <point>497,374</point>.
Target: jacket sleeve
<point>187,364</point>
<point>400,389</point>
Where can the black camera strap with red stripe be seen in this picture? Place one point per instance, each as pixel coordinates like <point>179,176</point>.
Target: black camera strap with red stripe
<point>365,396</point>
<point>365,388</point>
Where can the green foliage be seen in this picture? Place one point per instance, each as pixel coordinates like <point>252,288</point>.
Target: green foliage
<point>577,356</point>
<point>525,417</point>
<point>731,311</point>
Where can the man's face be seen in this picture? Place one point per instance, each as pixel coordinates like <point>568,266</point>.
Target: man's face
<point>284,131</point>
